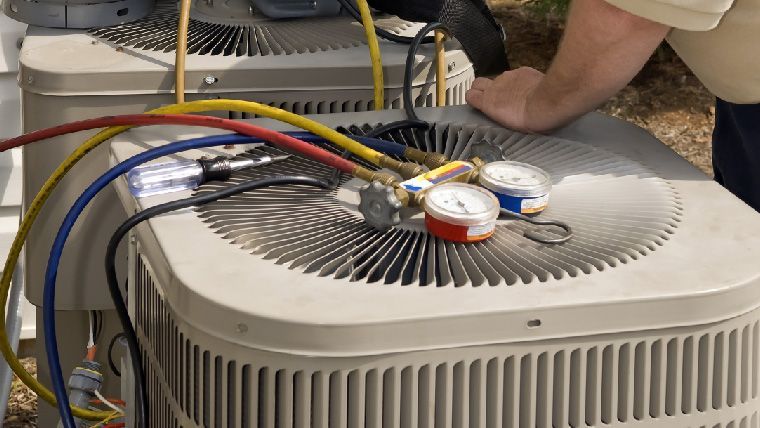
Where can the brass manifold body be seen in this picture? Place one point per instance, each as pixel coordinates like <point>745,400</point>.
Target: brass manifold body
<point>410,170</point>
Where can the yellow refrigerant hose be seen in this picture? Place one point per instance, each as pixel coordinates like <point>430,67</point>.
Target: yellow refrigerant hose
<point>374,54</point>
<point>440,69</point>
<point>181,51</point>
<point>36,205</point>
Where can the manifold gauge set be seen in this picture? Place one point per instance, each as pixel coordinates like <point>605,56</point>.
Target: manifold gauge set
<point>463,200</point>
<point>463,212</point>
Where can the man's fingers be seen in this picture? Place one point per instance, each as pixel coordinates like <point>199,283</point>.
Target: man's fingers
<point>482,84</point>
<point>474,98</point>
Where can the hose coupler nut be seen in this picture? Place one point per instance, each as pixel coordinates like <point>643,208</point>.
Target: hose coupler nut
<point>434,160</point>
<point>410,170</point>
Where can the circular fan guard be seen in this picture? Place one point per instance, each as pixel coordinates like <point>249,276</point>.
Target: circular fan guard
<point>158,32</point>
<point>619,210</point>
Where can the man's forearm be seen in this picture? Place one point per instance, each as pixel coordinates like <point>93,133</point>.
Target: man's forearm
<point>603,48</point>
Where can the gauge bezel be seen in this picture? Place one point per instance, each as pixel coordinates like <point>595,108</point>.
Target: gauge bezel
<point>488,181</point>
<point>460,219</point>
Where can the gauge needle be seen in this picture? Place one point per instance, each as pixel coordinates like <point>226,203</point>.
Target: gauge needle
<point>461,204</point>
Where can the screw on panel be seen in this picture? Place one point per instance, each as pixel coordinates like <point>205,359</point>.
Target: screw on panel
<point>241,328</point>
<point>210,80</point>
<point>313,4</point>
<point>30,79</point>
<point>452,66</point>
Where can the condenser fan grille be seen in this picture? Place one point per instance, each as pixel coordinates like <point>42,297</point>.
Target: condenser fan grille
<point>619,210</point>
<point>158,32</point>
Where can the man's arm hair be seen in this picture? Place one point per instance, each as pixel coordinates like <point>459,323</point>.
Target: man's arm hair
<point>602,50</point>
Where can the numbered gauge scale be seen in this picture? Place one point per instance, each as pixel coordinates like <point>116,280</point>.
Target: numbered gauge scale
<point>460,212</point>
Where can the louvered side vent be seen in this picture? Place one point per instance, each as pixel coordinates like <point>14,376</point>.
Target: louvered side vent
<point>619,209</point>
<point>158,32</point>
<point>393,100</point>
<point>670,378</point>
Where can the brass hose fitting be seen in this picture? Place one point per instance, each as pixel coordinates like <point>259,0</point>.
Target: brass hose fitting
<point>370,176</point>
<point>410,170</point>
<point>431,159</point>
<point>406,169</point>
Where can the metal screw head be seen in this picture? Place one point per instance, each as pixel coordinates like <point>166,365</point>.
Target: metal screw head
<point>313,4</point>
<point>30,79</point>
<point>210,80</point>
<point>452,66</point>
<point>241,328</point>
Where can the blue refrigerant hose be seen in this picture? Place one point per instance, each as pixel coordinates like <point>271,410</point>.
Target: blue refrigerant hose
<point>382,146</point>
<point>51,342</point>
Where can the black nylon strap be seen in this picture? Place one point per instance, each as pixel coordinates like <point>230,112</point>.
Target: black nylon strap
<point>469,21</point>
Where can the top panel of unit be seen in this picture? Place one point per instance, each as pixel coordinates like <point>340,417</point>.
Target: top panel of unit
<point>325,54</point>
<point>651,238</point>
<point>215,31</point>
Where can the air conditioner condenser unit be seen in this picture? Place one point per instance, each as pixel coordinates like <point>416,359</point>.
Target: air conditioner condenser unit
<point>281,307</point>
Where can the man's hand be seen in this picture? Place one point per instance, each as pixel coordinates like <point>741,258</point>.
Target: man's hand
<point>602,50</point>
<point>506,99</point>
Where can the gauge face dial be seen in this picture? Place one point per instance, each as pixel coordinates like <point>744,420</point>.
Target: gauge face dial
<point>514,174</point>
<point>460,203</point>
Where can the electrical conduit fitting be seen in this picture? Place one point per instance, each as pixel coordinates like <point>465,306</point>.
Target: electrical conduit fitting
<point>84,381</point>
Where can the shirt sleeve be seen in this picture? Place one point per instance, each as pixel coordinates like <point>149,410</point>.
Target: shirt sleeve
<point>691,15</point>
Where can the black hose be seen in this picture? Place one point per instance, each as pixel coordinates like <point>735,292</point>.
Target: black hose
<point>113,283</point>
<point>387,35</point>
<point>396,126</point>
<point>409,69</point>
<point>111,362</point>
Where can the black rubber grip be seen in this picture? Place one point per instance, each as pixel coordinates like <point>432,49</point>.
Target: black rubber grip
<point>469,21</point>
<point>216,169</point>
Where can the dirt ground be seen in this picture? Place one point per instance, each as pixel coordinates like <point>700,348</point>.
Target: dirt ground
<point>22,407</point>
<point>665,98</point>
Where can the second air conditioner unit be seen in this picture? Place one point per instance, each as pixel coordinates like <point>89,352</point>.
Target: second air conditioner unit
<point>318,65</point>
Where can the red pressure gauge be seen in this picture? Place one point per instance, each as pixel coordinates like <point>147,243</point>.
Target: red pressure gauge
<point>460,212</point>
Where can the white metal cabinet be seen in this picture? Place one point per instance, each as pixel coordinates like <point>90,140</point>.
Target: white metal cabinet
<point>11,33</point>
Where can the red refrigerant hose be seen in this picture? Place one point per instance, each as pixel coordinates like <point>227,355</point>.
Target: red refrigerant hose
<point>277,138</point>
